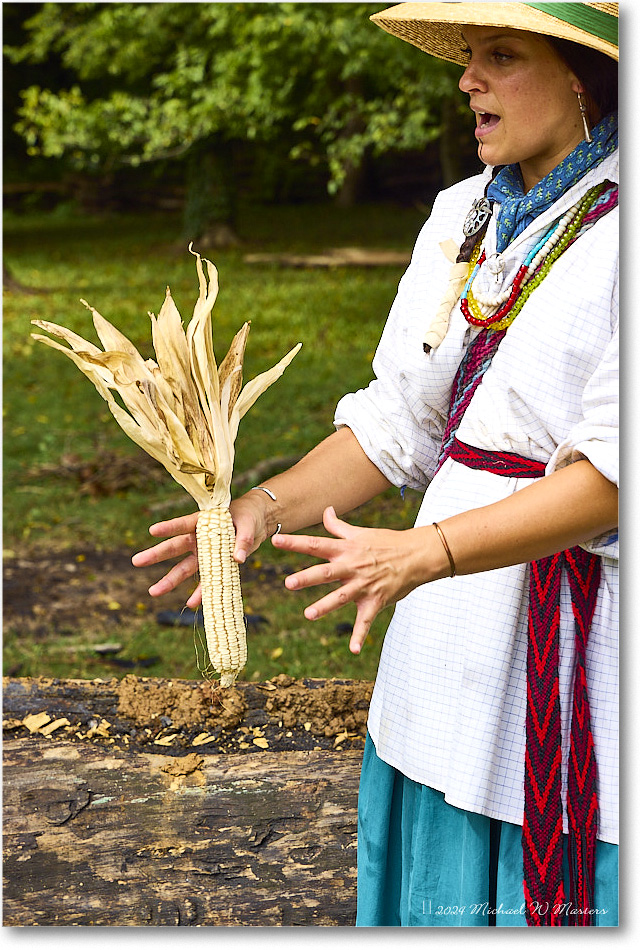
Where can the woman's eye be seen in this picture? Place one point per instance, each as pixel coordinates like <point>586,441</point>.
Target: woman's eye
<point>501,57</point>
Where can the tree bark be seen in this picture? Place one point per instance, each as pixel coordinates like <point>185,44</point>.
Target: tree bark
<point>93,838</point>
<point>123,807</point>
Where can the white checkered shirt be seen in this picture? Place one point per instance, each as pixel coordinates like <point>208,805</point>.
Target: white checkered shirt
<point>448,708</point>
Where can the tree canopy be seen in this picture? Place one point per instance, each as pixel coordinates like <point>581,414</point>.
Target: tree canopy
<point>159,80</point>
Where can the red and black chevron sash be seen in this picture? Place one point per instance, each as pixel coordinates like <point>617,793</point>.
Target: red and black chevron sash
<point>542,832</point>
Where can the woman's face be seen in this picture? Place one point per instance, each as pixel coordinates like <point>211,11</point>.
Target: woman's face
<point>524,98</point>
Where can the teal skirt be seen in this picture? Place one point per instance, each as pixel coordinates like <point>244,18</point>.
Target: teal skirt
<point>424,863</point>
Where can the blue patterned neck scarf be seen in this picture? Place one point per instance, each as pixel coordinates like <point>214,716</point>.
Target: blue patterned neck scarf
<point>517,209</point>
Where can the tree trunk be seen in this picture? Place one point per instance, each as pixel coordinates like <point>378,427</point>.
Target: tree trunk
<point>448,145</point>
<point>211,202</point>
<point>354,182</point>
<point>457,145</point>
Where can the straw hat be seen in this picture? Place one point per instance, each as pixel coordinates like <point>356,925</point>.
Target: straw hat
<point>436,27</point>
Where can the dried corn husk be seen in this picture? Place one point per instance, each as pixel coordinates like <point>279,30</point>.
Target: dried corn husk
<point>182,409</point>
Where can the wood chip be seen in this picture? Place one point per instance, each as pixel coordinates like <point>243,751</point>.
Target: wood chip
<point>342,736</point>
<point>102,729</point>
<point>36,721</point>
<point>261,742</point>
<point>166,740</point>
<point>52,726</point>
<point>11,723</point>
<point>203,739</point>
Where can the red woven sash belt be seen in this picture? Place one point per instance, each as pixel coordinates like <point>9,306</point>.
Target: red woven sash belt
<point>542,834</point>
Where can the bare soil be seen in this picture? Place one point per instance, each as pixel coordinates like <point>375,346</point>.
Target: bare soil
<point>84,589</point>
<point>49,593</point>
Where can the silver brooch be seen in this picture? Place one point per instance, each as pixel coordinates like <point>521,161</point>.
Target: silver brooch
<point>477,217</point>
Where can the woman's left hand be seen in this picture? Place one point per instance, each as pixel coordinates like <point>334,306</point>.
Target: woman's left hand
<point>374,567</point>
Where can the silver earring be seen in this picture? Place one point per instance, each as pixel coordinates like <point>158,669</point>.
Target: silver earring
<point>583,110</point>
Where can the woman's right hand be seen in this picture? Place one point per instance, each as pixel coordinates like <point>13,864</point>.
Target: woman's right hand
<point>249,521</point>
<point>181,540</point>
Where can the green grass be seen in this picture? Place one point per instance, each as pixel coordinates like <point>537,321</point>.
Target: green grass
<point>121,266</point>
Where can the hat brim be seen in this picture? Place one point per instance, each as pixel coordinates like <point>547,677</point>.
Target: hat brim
<point>436,27</point>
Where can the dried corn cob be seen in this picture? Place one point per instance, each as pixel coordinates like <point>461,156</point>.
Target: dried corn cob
<point>221,589</point>
<point>185,412</point>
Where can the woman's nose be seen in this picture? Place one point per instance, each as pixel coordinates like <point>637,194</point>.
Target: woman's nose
<point>471,79</point>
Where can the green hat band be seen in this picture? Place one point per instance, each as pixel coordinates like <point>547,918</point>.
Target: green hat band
<point>592,21</point>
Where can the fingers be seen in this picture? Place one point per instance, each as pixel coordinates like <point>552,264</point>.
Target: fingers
<point>332,601</point>
<point>307,544</point>
<point>248,517</point>
<point>333,552</point>
<point>174,547</point>
<point>186,524</point>
<point>355,559</point>
<point>244,542</point>
<point>325,573</point>
<point>314,545</point>
<point>195,599</point>
<point>243,546</point>
<point>333,524</point>
<point>365,618</point>
<point>367,610</point>
<point>181,539</point>
<point>176,575</point>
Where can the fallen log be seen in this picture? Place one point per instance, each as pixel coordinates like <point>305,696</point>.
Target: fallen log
<point>335,257</point>
<point>123,804</point>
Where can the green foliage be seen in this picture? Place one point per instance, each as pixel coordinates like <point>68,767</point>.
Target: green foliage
<point>154,80</point>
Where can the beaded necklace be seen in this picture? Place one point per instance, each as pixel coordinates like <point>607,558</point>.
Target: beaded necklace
<point>480,352</point>
<point>497,313</point>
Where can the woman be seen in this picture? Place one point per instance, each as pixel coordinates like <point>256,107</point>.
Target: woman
<point>489,788</point>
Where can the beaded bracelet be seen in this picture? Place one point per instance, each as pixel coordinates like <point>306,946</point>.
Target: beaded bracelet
<point>442,538</point>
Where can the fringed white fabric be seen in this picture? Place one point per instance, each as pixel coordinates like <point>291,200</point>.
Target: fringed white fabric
<point>456,279</point>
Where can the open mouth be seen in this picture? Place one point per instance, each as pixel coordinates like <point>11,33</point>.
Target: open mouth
<point>486,122</point>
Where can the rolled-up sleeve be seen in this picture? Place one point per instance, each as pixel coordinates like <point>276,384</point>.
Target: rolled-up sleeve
<point>400,417</point>
<point>398,432</point>
<point>596,435</point>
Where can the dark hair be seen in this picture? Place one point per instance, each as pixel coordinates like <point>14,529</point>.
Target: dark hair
<point>597,72</point>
